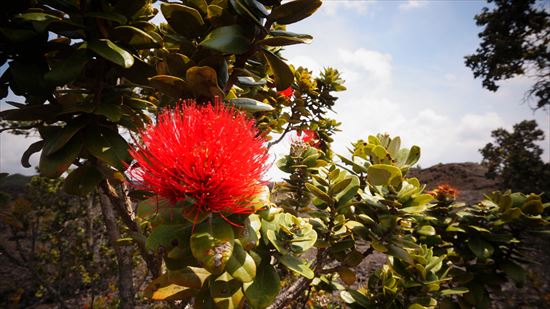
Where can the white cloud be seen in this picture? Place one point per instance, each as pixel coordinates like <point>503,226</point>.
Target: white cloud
<point>306,62</point>
<point>412,4</point>
<point>332,7</point>
<point>377,65</point>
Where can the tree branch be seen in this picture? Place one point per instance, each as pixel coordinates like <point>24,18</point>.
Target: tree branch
<point>123,205</point>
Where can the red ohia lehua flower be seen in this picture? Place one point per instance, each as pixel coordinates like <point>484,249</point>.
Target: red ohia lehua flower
<point>308,137</point>
<point>211,155</point>
<point>288,92</point>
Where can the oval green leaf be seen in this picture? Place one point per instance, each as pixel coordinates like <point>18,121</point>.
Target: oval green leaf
<point>112,52</point>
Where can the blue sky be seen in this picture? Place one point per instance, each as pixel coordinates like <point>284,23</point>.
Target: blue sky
<point>403,62</point>
<point>404,66</point>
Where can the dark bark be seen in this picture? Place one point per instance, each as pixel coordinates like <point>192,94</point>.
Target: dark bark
<point>123,254</point>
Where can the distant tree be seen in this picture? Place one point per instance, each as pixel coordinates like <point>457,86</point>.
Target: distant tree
<point>514,42</point>
<point>515,158</point>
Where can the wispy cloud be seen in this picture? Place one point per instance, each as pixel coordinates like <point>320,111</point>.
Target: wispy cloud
<point>376,65</point>
<point>331,7</point>
<point>412,4</point>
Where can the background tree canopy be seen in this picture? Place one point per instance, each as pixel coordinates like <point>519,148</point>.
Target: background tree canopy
<point>515,159</point>
<point>514,42</point>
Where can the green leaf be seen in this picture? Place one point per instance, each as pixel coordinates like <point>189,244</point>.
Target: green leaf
<point>185,20</point>
<point>54,165</point>
<point>33,148</point>
<point>248,9</point>
<point>481,248</point>
<point>112,52</point>
<point>110,109</point>
<point>241,265</point>
<point>454,291</point>
<point>213,11</point>
<point>203,81</point>
<point>394,146</point>
<point>18,35</point>
<point>171,85</point>
<point>69,69</point>
<point>417,306</point>
<point>426,230</point>
<point>413,209</point>
<point>281,72</point>
<point>37,16</point>
<point>83,180</point>
<point>251,105</point>
<point>414,156</point>
<point>212,244</point>
<point>140,72</point>
<point>400,253</point>
<point>228,40</point>
<point>226,292</point>
<point>512,214</point>
<point>131,7</point>
<point>263,291</point>
<point>533,207</point>
<point>383,175</point>
<point>178,64</point>
<point>112,16</point>
<point>357,228</point>
<point>514,271</point>
<point>284,41</point>
<point>159,210</point>
<point>61,137</point>
<point>297,265</point>
<point>360,298</point>
<point>162,288</point>
<point>168,237</point>
<point>320,194</point>
<point>108,146</point>
<point>422,199</point>
<point>27,77</point>
<point>192,277</point>
<point>340,185</point>
<point>170,291</point>
<point>291,12</point>
<point>249,234</point>
<point>200,5</point>
<point>349,192</point>
<point>135,37</point>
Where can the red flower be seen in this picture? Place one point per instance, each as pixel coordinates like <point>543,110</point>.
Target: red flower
<point>288,92</point>
<point>209,154</point>
<point>308,137</point>
<point>445,193</point>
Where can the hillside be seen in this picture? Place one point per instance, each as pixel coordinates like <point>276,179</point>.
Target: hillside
<point>468,178</point>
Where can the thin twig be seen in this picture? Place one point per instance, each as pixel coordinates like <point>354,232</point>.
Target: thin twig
<point>287,129</point>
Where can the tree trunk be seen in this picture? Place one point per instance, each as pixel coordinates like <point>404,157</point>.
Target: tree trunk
<point>123,254</point>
